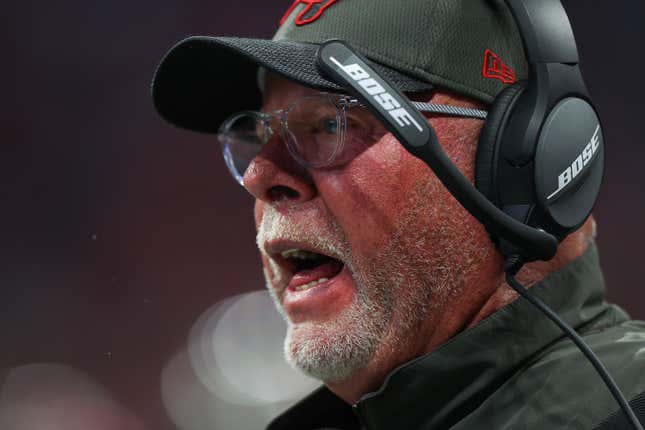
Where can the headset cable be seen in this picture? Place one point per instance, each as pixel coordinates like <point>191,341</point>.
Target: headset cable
<point>513,265</point>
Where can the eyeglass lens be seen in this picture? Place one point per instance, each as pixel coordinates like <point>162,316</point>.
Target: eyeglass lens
<point>312,128</point>
<point>242,138</point>
<point>314,125</point>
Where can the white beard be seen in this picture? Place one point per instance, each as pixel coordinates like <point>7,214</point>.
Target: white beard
<point>396,290</point>
<point>332,350</point>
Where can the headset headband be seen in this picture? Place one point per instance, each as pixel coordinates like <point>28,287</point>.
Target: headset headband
<point>545,30</point>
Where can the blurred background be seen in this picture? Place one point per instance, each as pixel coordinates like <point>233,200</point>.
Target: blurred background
<point>123,239</point>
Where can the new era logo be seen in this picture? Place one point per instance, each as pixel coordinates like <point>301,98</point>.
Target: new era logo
<point>312,11</point>
<point>495,68</point>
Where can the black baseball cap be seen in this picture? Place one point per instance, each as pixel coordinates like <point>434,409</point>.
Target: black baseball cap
<point>470,47</point>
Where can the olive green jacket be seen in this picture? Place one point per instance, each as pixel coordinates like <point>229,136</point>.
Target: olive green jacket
<point>514,370</point>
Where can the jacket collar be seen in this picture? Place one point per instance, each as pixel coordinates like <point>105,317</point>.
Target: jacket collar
<point>441,387</point>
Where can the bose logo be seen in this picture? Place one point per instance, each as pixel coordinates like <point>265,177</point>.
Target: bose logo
<point>578,164</point>
<point>382,97</point>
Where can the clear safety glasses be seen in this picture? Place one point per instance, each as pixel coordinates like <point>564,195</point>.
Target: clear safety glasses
<point>322,130</point>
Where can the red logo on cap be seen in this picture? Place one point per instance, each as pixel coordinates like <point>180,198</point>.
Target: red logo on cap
<point>495,68</point>
<point>309,14</point>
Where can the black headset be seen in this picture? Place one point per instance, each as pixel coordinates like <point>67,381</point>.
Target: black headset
<point>540,155</point>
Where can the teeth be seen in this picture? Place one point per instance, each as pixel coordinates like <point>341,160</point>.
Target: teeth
<point>311,284</point>
<point>302,255</point>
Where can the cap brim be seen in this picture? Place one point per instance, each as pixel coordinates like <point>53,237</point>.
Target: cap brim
<point>202,80</point>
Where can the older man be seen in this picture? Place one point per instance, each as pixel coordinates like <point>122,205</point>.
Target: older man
<point>393,294</point>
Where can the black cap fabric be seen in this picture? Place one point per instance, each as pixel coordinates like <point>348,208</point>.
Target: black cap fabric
<point>471,47</point>
<point>202,80</point>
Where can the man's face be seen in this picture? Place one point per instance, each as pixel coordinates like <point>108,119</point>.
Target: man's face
<point>388,248</point>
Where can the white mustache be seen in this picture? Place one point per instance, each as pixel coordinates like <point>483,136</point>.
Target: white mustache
<point>315,229</point>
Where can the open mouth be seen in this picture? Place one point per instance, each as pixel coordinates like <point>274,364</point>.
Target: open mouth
<point>309,268</point>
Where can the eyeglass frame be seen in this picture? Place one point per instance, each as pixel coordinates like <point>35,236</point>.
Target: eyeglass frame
<point>343,104</point>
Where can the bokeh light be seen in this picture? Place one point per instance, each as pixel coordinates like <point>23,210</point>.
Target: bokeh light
<point>50,396</point>
<point>233,373</point>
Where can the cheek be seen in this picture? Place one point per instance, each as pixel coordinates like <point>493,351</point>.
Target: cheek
<point>368,195</point>
<point>458,138</point>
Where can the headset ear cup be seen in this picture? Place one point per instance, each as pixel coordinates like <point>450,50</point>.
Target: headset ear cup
<point>490,140</point>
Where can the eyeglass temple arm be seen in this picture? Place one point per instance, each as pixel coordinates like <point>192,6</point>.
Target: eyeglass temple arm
<point>446,110</point>
<point>450,110</point>
<point>349,70</point>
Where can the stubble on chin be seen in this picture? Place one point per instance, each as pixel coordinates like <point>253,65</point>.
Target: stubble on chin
<point>378,328</point>
<point>328,350</point>
<point>398,289</point>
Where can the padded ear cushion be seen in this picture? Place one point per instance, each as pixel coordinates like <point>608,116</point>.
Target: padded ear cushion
<point>490,138</point>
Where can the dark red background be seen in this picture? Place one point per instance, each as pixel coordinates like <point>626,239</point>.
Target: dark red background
<point>117,230</point>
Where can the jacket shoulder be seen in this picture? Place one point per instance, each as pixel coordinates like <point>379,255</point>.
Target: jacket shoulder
<point>559,387</point>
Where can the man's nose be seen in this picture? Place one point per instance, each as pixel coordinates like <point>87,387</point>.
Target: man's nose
<point>274,176</point>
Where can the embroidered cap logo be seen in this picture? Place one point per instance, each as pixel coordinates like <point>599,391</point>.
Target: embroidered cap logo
<point>313,10</point>
<point>495,68</point>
